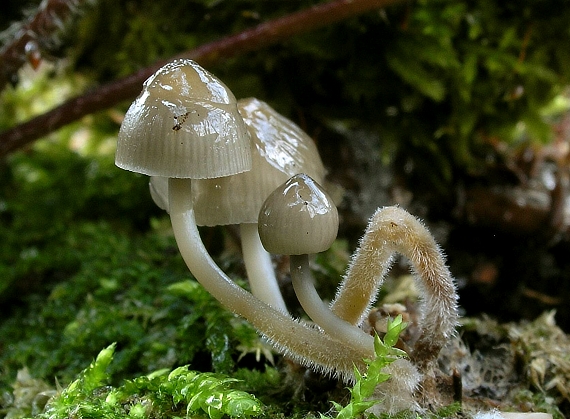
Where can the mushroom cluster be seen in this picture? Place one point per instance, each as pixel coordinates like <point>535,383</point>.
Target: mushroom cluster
<point>214,160</point>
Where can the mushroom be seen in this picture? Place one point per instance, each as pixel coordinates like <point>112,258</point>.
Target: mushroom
<point>280,149</point>
<point>195,116</point>
<point>298,219</point>
<point>183,126</point>
<point>393,230</point>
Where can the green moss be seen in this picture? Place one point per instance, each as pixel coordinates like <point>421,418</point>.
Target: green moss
<point>78,275</point>
<point>162,394</point>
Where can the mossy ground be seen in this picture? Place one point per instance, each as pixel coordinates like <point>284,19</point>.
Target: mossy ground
<point>81,279</point>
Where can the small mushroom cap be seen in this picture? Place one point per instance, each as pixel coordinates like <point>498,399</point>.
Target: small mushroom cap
<point>298,218</point>
<point>184,124</point>
<point>280,149</point>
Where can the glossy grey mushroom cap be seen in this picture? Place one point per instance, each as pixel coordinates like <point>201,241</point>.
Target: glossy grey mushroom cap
<point>280,149</point>
<point>298,218</point>
<point>184,124</point>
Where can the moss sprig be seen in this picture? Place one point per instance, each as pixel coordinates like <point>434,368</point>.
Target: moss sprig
<point>366,382</point>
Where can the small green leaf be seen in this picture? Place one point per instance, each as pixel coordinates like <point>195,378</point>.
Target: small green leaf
<point>395,327</point>
<point>137,411</point>
<point>239,403</point>
<point>417,76</point>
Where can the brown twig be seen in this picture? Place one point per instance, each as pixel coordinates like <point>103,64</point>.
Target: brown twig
<point>128,87</point>
<point>28,36</point>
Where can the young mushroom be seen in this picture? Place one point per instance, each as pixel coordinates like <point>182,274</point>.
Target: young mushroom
<point>393,230</point>
<point>298,219</point>
<point>183,126</point>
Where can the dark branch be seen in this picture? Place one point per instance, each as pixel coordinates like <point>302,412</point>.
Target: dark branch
<point>128,87</point>
<point>30,37</point>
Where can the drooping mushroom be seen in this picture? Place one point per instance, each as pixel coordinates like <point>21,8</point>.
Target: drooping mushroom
<point>393,230</point>
<point>298,219</point>
<point>184,125</point>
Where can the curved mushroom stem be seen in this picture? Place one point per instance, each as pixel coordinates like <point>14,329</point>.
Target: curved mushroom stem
<point>393,230</point>
<point>318,311</point>
<point>259,267</point>
<point>298,340</point>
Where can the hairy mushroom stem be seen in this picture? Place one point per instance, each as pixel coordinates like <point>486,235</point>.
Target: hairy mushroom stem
<point>295,339</point>
<point>393,230</point>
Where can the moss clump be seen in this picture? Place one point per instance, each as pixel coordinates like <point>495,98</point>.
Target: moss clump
<point>164,393</point>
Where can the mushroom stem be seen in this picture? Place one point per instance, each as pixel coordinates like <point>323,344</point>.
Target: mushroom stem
<point>393,230</point>
<point>318,311</point>
<point>298,340</point>
<point>259,267</point>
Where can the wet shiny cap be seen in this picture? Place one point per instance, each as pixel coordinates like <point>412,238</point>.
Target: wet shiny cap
<point>279,141</point>
<point>184,124</point>
<point>280,149</point>
<point>298,218</point>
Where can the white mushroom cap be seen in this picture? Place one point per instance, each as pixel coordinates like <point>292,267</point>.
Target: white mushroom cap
<point>184,124</point>
<point>298,218</point>
<point>280,149</point>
